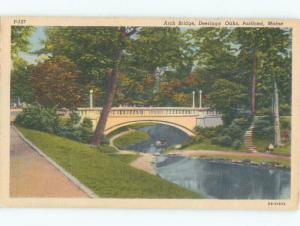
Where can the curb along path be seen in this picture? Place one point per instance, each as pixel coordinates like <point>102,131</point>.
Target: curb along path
<point>32,174</point>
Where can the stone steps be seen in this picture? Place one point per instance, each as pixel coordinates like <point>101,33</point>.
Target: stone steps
<point>248,138</point>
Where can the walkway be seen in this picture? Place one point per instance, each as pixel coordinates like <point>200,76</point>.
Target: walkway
<point>229,153</point>
<point>145,162</point>
<point>31,175</point>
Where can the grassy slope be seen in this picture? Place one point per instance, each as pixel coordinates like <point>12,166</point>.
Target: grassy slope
<point>127,158</point>
<point>261,142</point>
<point>131,126</point>
<point>107,176</point>
<point>132,137</point>
<point>207,145</point>
<point>261,145</point>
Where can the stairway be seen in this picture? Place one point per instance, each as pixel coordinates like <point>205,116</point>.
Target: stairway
<point>248,138</point>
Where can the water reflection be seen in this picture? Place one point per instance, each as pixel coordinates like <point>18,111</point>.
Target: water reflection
<point>213,179</point>
<point>169,134</point>
<point>223,180</point>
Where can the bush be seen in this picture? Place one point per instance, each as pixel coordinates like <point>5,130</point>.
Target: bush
<point>208,132</point>
<point>39,118</point>
<point>233,131</point>
<point>285,109</point>
<point>73,120</point>
<point>236,144</point>
<point>264,127</point>
<point>104,140</point>
<point>264,111</point>
<point>222,140</point>
<point>107,149</point>
<point>198,139</point>
<point>46,119</point>
<point>285,123</point>
<point>82,132</point>
<point>243,122</point>
<point>236,129</point>
<point>86,130</point>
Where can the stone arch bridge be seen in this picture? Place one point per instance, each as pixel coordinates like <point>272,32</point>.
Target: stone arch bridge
<point>183,118</point>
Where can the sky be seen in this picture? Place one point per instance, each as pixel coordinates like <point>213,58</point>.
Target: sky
<point>35,42</point>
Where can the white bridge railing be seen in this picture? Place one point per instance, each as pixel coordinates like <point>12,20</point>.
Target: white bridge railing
<point>150,111</point>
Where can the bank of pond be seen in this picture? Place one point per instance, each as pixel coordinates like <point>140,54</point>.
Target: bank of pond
<point>108,173</point>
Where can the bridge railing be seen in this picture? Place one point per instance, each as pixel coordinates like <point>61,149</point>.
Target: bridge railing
<point>148,111</point>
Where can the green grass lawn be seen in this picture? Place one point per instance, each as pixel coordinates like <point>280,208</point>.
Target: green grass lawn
<point>207,145</point>
<point>261,145</point>
<point>132,137</point>
<point>127,158</point>
<point>131,126</point>
<point>106,175</point>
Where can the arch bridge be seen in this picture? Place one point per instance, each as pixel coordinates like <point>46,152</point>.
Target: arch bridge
<point>183,118</point>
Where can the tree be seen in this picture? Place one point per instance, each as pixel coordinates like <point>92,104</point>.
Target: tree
<point>227,97</point>
<point>276,68</point>
<point>218,71</point>
<point>20,84</point>
<point>123,36</point>
<point>55,83</point>
<point>20,42</point>
<point>113,51</point>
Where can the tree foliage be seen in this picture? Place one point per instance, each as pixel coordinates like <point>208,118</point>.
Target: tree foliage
<point>56,83</point>
<point>20,84</point>
<point>160,66</point>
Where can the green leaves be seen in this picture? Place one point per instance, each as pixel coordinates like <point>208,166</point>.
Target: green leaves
<point>56,83</point>
<point>163,65</point>
<point>227,95</point>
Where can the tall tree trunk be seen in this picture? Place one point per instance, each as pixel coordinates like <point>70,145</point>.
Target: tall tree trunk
<point>157,80</point>
<point>253,90</point>
<point>277,137</point>
<point>112,88</point>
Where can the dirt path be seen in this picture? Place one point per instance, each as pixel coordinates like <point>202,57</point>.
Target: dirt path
<point>145,163</point>
<point>229,153</point>
<point>31,175</point>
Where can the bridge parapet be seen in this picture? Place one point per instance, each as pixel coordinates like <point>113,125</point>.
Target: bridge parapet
<point>148,111</point>
<point>184,118</point>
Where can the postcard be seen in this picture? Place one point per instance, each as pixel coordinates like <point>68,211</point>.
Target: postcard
<point>149,113</point>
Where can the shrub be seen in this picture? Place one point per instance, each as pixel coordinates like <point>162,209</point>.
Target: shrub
<point>222,140</point>
<point>236,144</point>
<point>74,119</point>
<point>106,149</point>
<point>243,122</point>
<point>198,139</point>
<point>264,127</point>
<point>187,143</point>
<point>87,123</point>
<point>39,118</point>
<point>46,119</point>
<point>285,109</point>
<point>104,140</point>
<point>233,130</point>
<point>208,132</point>
<point>285,123</point>
<point>264,111</point>
<point>86,130</point>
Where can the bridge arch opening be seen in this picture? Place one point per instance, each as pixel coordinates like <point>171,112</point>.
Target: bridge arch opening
<point>180,127</point>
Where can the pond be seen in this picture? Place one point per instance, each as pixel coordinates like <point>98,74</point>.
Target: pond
<point>214,179</point>
<point>168,134</point>
<point>225,180</point>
